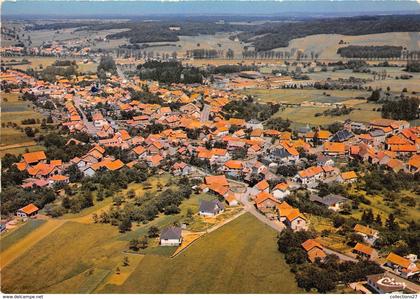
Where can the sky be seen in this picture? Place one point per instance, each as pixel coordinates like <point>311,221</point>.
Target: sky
<point>24,8</point>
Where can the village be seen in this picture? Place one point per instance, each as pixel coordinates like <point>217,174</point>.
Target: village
<point>257,166</point>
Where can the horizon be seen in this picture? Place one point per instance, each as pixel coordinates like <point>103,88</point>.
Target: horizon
<point>244,8</point>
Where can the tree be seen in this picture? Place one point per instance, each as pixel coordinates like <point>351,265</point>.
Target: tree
<point>134,244</point>
<point>391,224</point>
<point>125,225</point>
<point>143,242</point>
<point>126,261</point>
<point>153,232</point>
<point>230,54</point>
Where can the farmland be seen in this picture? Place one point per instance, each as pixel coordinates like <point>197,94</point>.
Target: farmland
<point>190,271</point>
<point>14,110</point>
<point>95,251</point>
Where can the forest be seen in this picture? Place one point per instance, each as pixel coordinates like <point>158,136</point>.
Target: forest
<point>370,52</point>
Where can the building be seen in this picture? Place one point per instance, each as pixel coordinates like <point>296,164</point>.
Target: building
<point>332,201</point>
<point>211,208</point>
<point>171,236</point>
<point>314,250</point>
<point>401,265</point>
<point>30,210</point>
<point>369,235</point>
<point>388,283</point>
<point>365,251</point>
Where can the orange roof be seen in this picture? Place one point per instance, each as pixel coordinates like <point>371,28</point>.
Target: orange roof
<point>156,159</point>
<point>34,157</point>
<point>218,188</point>
<point>323,134</point>
<point>335,147</point>
<point>21,166</point>
<point>311,171</point>
<point>309,244</point>
<point>262,185</point>
<point>396,140</point>
<point>263,196</point>
<point>216,179</point>
<point>58,177</point>
<point>292,214</point>
<point>56,162</point>
<point>316,253</point>
<point>349,175</point>
<point>283,206</point>
<point>404,148</point>
<point>398,260</point>
<point>139,150</point>
<point>414,161</point>
<point>29,209</point>
<point>234,164</point>
<point>114,165</point>
<point>363,248</point>
<point>364,230</point>
<point>281,186</point>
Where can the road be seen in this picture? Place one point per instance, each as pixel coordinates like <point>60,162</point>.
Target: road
<point>121,74</point>
<point>89,125</point>
<point>205,113</point>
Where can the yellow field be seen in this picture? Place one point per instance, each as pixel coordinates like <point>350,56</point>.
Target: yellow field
<point>20,247</point>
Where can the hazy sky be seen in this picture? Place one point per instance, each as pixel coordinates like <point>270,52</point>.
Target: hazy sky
<point>202,7</point>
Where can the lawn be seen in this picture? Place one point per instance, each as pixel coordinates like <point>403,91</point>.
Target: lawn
<point>240,257</point>
<point>9,238</point>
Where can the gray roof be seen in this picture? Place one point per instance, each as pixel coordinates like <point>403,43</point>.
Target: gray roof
<point>171,232</point>
<point>341,136</point>
<point>329,200</point>
<point>280,153</point>
<point>211,206</point>
<point>376,133</point>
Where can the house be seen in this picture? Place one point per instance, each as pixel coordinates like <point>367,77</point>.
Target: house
<point>369,235</point>
<point>413,164</point>
<point>332,201</point>
<point>233,168</point>
<point>341,136</point>
<point>29,210</point>
<point>181,168</point>
<point>365,251</point>
<point>401,265</point>
<point>310,175</point>
<point>171,236</point>
<point>334,149</point>
<point>231,199</point>
<point>295,220</point>
<point>264,201</point>
<point>388,283</point>
<point>261,186</point>
<point>281,190</point>
<point>314,250</point>
<point>283,154</point>
<point>347,177</point>
<point>34,157</point>
<point>211,208</point>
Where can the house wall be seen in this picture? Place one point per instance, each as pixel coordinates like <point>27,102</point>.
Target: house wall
<point>170,242</point>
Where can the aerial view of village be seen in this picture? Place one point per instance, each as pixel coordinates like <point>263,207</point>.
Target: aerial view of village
<point>210,147</point>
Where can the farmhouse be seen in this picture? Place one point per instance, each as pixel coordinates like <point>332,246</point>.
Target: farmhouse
<point>29,210</point>
<point>314,250</point>
<point>365,251</point>
<point>211,208</point>
<point>369,235</point>
<point>171,236</point>
<point>401,266</point>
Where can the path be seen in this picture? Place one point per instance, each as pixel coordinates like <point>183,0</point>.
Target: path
<point>24,244</point>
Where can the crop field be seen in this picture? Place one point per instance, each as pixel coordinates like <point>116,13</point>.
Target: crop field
<point>240,268</point>
<point>297,96</point>
<point>14,140</point>
<point>9,238</point>
<point>326,45</point>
